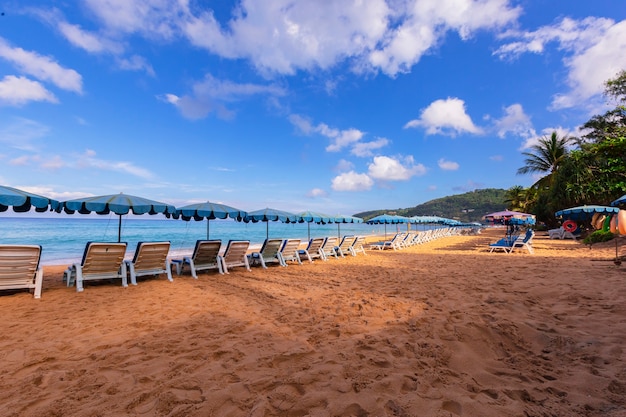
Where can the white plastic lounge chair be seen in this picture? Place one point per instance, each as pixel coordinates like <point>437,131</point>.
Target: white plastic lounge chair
<point>19,268</point>
<point>312,249</point>
<point>101,260</point>
<point>267,254</point>
<point>394,243</point>
<point>358,246</point>
<point>150,259</point>
<point>328,248</point>
<point>289,252</point>
<point>344,247</point>
<point>235,255</point>
<point>205,256</point>
<point>505,244</point>
<point>524,242</point>
<point>556,233</point>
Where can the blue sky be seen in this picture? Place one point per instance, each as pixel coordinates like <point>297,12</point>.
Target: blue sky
<point>330,106</point>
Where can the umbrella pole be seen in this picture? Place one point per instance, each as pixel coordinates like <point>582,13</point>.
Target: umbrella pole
<point>308,227</point>
<point>207,229</point>
<point>267,230</point>
<point>338,231</point>
<point>119,229</point>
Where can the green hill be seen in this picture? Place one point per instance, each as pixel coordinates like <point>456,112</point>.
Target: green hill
<point>467,207</point>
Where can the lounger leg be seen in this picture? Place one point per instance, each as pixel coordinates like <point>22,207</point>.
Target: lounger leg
<point>79,278</point>
<point>124,274</point>
<point>38,283</point>
<point>168,268</point>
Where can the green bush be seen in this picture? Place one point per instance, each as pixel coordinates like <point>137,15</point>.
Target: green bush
<point>598,236</point>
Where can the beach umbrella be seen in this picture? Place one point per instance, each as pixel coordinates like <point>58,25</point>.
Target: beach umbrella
<point>209,211</point>
<point>22,201</point>
<point>267,215</point>
<point>340,218</point>
<point>119,204</point>
<point>313,217</point>
<point>386,219</point>
<point>582,213</point>
<point>619,201</point>
<point>506,214</point>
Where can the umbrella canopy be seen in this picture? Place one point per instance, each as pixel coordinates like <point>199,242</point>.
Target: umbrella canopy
<point>267,215</point>
<point>313,217</point>
<point>22,201</point>
<point>119,204</point>
<point>506,214</point>
<point>584,212</point>
<point>210,211</point>
<point>340,218</point>
<point>387,219</point>
<point>621,200</point>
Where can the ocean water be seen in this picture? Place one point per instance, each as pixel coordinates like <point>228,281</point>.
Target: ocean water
<point>63,239</point>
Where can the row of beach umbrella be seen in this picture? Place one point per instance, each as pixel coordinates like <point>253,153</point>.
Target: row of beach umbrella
<point>122,204</point>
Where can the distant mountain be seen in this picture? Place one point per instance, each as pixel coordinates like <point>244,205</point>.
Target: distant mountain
<point>468,207</point>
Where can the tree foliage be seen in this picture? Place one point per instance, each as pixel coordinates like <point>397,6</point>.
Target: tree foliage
<point>593,172</point>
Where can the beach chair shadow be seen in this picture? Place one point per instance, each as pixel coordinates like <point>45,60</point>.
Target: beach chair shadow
<point>19,268</point>
<point>150,259</point>
<point>236,254</point>
<point>205,257</point>
<point>267,254</point>
<point>101,260</point>
<point>290,252</point>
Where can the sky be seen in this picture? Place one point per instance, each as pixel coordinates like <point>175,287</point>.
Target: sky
<point>329,106</point>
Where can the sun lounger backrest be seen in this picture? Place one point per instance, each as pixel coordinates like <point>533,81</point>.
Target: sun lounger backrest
<point>271,247</point>
<point>150,255</point>
<point>19,267</point>
<point>236,250</point>
<point>206,252</point>
<point>102,257</point>
<point>315,244</point>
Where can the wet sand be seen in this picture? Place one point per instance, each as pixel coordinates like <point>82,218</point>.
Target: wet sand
<point>440,329</point>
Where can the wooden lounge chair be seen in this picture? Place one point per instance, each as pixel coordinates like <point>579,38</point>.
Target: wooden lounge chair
<point>267,254</point>
<point>235,255</point>
<point>101,260</point>
<point>289,252</point>
<point>358,246</point>
<point>205,256</point>
<point>328,248</point>
<point>150,259</point>
<point>344,247</point>
<point>19,268</point>
<point>312,249</point>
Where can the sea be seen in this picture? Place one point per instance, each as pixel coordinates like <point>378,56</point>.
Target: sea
<point>63,238</point>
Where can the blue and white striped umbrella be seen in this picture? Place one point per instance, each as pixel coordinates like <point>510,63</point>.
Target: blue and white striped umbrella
<point>22,201</point>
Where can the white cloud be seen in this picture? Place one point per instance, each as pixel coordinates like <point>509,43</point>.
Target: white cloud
<point>17,91</point>
<point>211,95</point>
<point>496,158</point>
<point>531,141</point>
<point>90,42</point>
<point>445,117</point>
<point>447,165</point>
<point>514,121</point>
<point>316,192</point>
<point>390,169</point>
<point>344,166</point>
<point>351,181</point>
<point>364,149</point>
<point>586,43</point>
<point>53,163</point>
<point>135,63</point>
<point>284,36</point>
<point>340,138</point>
<point>20,161</point>
<point>88,160</point>
<point>41,67</point>
<point>22,133</point>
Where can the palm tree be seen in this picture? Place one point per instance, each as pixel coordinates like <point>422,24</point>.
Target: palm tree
<point>546,157</point>
<point>516,198</point>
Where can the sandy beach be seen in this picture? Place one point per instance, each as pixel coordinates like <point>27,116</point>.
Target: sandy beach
<point>440,329</point>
